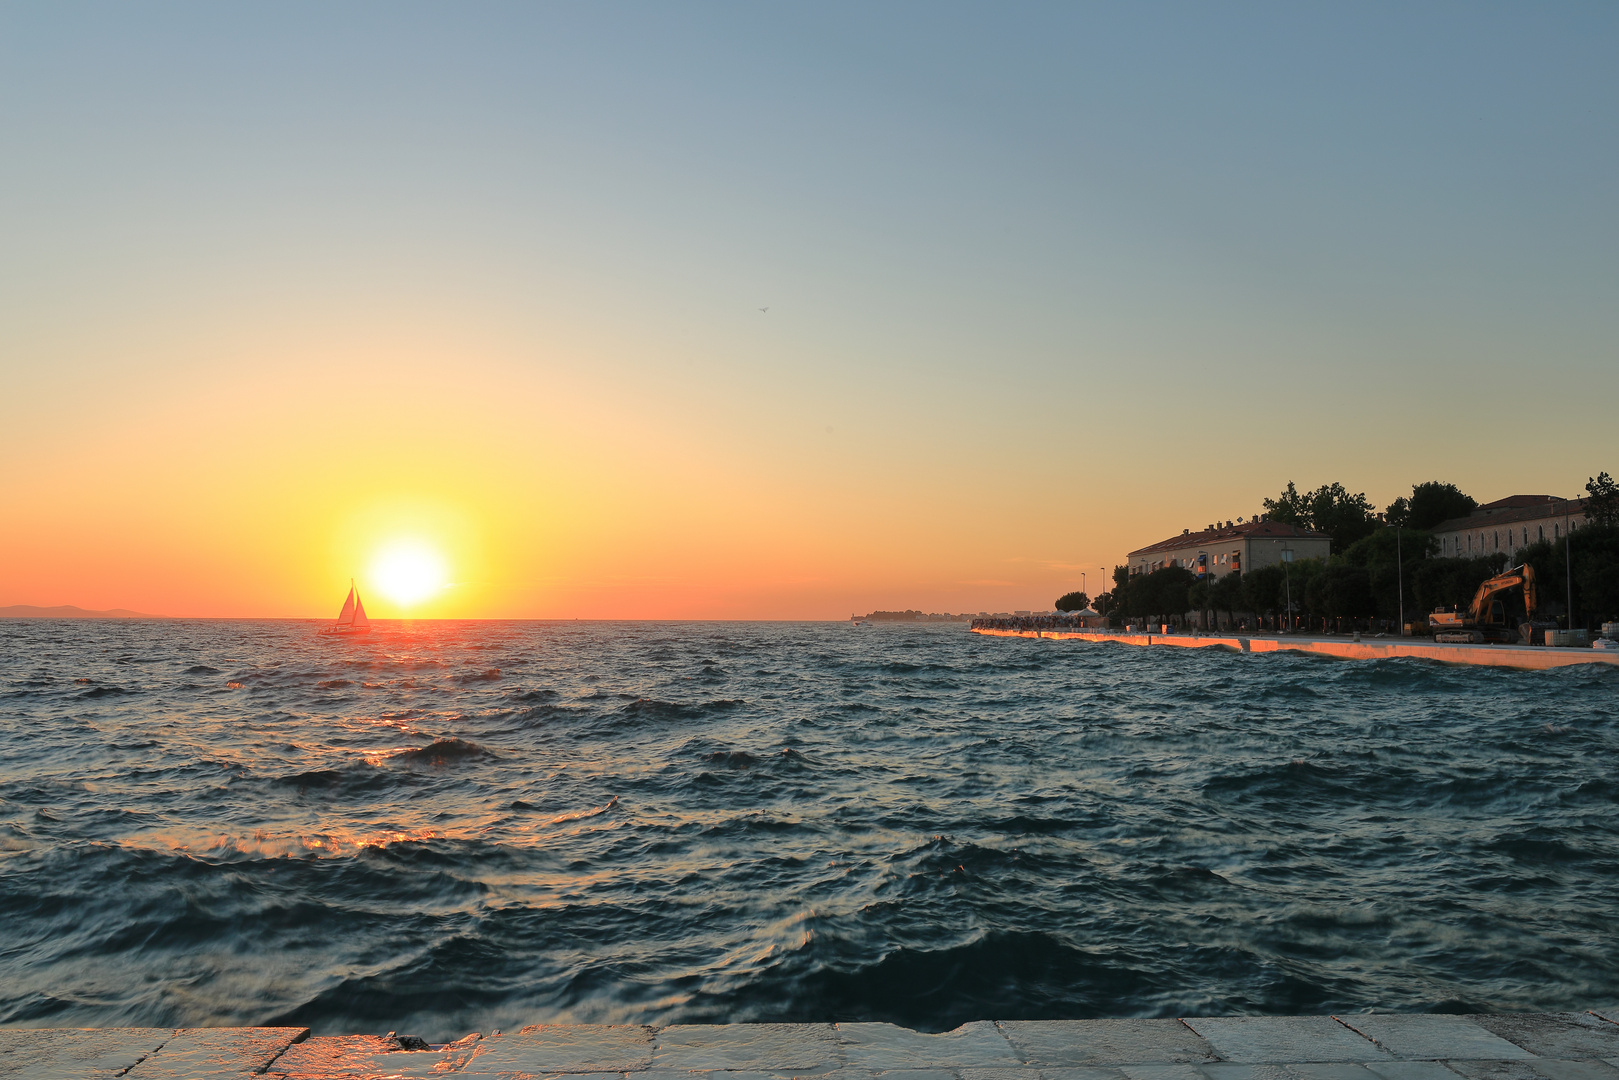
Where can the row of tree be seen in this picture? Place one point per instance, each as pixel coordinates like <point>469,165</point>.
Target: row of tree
<point>1364,579</point>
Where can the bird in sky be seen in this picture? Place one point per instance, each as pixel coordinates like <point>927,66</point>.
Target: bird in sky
<point>764,309</point>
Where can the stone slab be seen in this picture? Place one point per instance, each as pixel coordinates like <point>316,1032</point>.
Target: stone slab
<point>1432,1037</point>
<point>1553,1069</point>
<point>1410,1070</point>
<point>541,1049</point>
<point>1259,1040</point>
<point>1106,1042</point>
<point>886,1047</point>
<point>1082,1072</point>
<point>1162,1072</point>
<point>361,1057</point>
<point>75,1053</point>
<point>199,1053</point>
<point>1535,1068</point>
<point>336,1056</point>
<point>789,1048</point>
<point>1336,1070</point>
<point>1570,1035</point>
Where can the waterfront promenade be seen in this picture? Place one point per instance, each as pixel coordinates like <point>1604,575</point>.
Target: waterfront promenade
<point>1351,1046</point>
<point>1528,657</point>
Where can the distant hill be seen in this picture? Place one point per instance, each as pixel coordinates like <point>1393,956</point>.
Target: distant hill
<point>68,611</point>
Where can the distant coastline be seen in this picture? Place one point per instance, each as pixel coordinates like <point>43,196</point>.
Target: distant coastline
<point>912,616</point>
<point>68,611</point>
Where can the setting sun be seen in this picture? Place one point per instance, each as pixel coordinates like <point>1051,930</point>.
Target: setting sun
<point>408,573</point>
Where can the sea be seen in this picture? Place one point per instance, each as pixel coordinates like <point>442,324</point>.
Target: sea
<point>450,827</point>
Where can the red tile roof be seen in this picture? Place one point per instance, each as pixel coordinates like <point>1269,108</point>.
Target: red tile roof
<point>1512,502</point>
<point>1264,528</point>
<point>1514,508</point>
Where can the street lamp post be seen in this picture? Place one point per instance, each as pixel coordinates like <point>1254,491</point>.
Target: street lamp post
<point>1399,572</point>
<point>1287,577</point>
<point>1568,570</point>
<point>1208,580</point>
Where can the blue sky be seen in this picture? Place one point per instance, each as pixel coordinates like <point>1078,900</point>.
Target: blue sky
<point>1117,270</point>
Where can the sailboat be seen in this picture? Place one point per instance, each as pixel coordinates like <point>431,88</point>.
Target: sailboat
<point>351,620</point>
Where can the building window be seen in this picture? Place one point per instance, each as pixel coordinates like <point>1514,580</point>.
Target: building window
<point>1498,541</point>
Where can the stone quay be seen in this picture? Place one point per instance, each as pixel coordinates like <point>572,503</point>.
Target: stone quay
<point>1524,657</point>
<point>1351,1046</point>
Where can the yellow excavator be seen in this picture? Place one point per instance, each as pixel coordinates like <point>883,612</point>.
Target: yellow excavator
<point>1487,618</point>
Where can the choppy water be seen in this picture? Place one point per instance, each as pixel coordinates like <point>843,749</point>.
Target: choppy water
<point>464,826</point>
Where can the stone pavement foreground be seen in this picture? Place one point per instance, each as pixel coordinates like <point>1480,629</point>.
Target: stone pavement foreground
<point>1358,1046</point>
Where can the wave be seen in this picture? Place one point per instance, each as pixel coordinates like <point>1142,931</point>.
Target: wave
<point>581,815</point>
<point>106,691</point>
<point>442,752</point>
<point>919,827</point>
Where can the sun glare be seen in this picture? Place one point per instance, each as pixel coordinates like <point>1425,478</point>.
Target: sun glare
<point>408,573</point>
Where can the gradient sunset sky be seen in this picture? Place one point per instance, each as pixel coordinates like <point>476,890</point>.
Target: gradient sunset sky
<point>285,285</point>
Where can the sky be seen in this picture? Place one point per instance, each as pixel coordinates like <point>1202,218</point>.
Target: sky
<point>710,310</point>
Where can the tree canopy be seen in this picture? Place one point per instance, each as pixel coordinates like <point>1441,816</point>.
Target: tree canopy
<point>1602,500</point>
<point>1162,592</point>
<point>1595,580</point>
<point>1430,503</point>
<point>1330,508</point>
<point>1340,590</point>
<point>1074,601</point>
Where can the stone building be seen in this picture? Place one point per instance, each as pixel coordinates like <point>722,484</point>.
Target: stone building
<point>1228,547</point>
<point>1506,526</point>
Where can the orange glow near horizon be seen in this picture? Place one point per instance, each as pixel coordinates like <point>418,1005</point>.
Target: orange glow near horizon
<point>500,489</point>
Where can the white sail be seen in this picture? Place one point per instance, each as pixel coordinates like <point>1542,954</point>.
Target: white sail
<point>346,616</point>
<point>360,621</point>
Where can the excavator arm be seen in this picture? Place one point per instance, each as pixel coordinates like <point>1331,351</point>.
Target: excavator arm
<point>1518,576</point>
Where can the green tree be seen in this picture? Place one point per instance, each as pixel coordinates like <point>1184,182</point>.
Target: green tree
<point>1330,508</point>
<point>1112,601</point>
<point>1444,583</point>
<point>1381,554</point>
<point>1432,503</point>
<point>1289,507</point>
<point>1595,553</point>
<point>1345,517</point>
<point>1298,578</point>
<point>1602,500</point>
<point>1262,591</point>
<point>1162,593</point>
<point>1341,591</point>
<point>1074,601</point>
<point>1226,595</point>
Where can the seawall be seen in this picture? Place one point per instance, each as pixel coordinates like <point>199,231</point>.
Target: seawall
<point>1528,657</point>
<point>1350,1046</point>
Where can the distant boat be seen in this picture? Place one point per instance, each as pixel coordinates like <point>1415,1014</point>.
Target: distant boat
<point>351,620</point>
